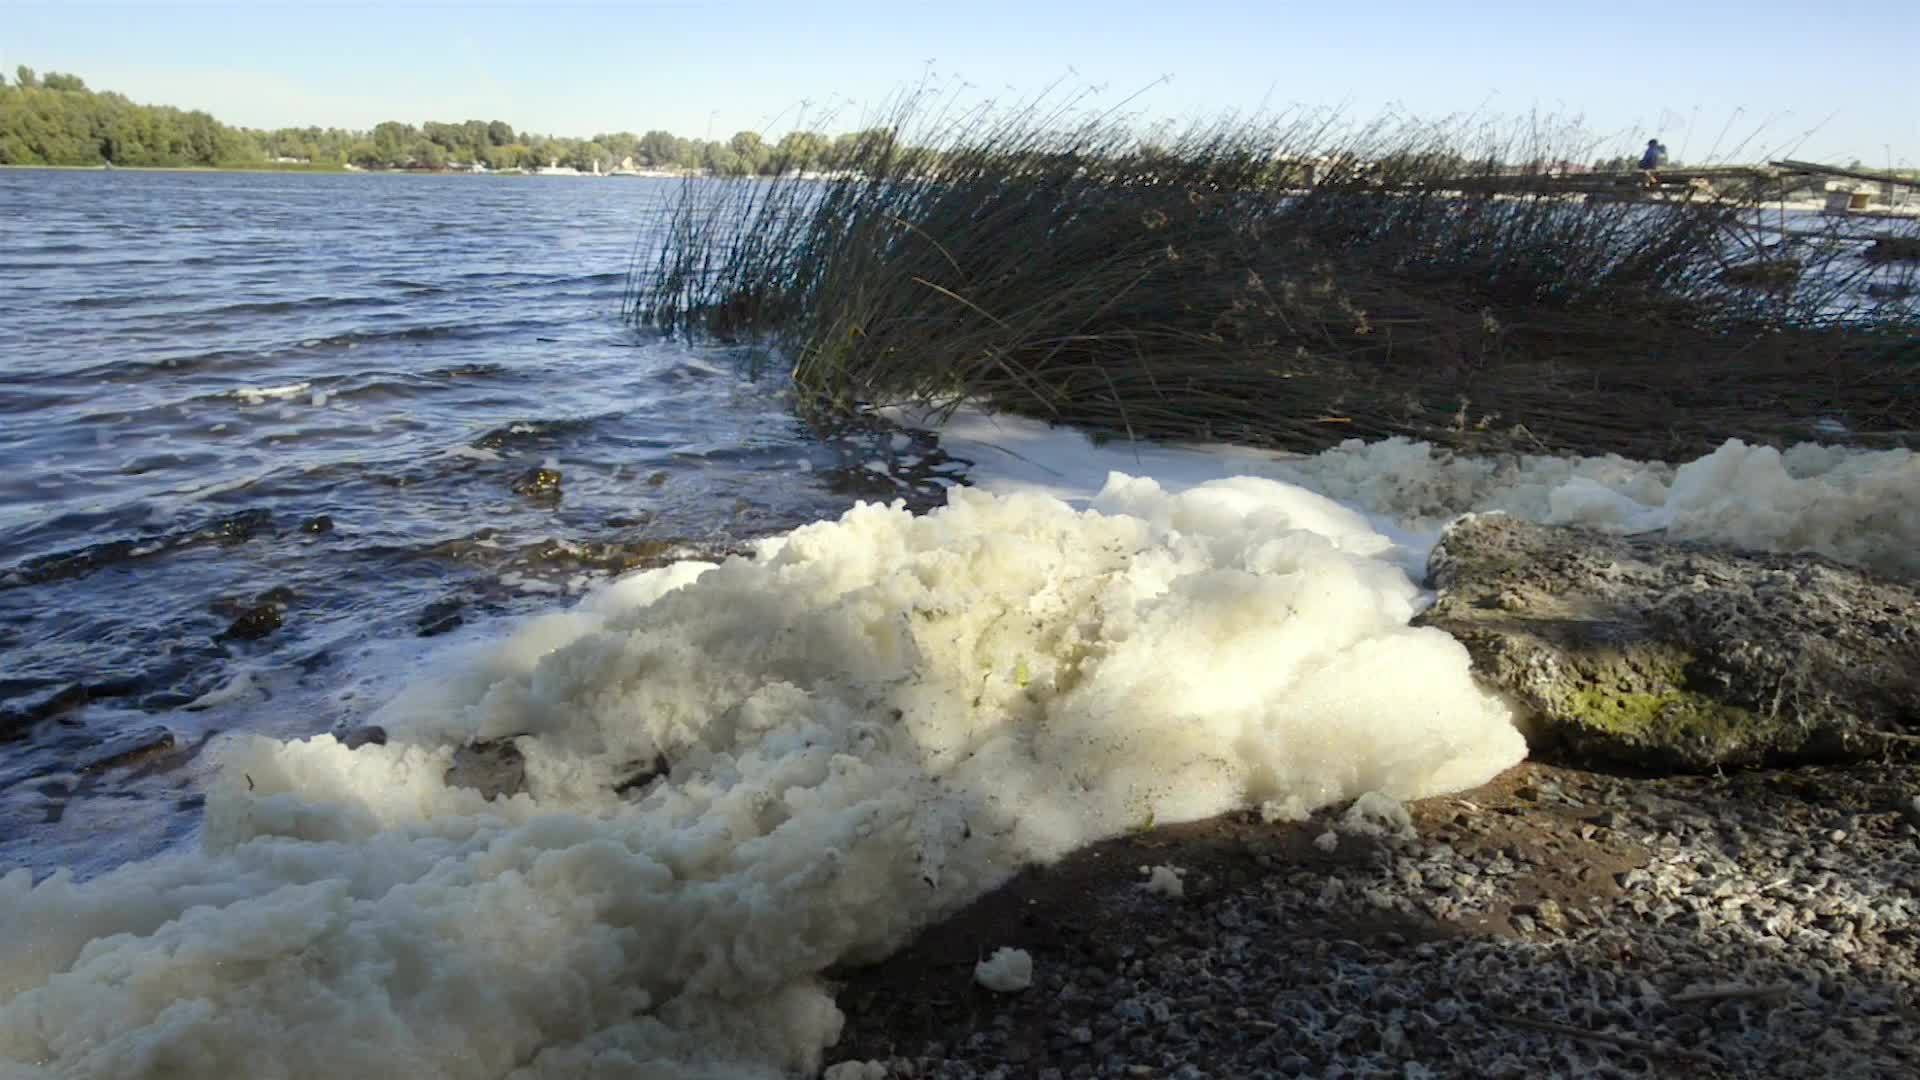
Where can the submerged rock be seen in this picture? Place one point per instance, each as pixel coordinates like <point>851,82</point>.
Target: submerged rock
<point>134,748</point>
<point>440,617</point>
<point>539,484</point>
<point>255,620</point>
<point>254,623</point>
<point>1671,655</point>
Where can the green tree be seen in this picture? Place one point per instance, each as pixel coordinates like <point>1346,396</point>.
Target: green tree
<point>55,80</point>
<point>660,148</point>
<point>620,145</point>
<point>720,160</point>
<point>512,156</point>
<point>428,153</point>
<point>500,133</point>
<point>800,150</point>
<point>25,77</point>
<point>393,142</point>
<point>587,155</point>
<point>750,149</point>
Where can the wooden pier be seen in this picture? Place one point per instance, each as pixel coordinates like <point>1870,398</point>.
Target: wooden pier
<point>1774,180</point>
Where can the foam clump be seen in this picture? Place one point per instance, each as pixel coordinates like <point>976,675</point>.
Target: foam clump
<point>737,775</point>
<point>1007,971</point>
<point>1860,507</point>
<point>1164,881</point>
<point>1377,815</point>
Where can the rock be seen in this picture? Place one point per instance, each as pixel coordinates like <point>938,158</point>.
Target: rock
<point>258,618</point>
<point>441,616</point>
<point>254,623</point>
<point>365,735</point>
<point>1548,914</point>
<point>540,484</point>
<point>494,768</point>
<point>1678,656</point>
<point>132,749</point>
<point>644,774</point>
<point>239,528</point>
<point>16,721</point>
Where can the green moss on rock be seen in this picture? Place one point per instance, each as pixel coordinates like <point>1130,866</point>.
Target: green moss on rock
<point>1675,721</point>
<point>1662,655</point>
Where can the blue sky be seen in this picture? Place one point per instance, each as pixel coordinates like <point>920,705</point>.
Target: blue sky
<point>1695,72</point>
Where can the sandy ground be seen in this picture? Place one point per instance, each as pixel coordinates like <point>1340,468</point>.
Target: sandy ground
<point>1551,923</point>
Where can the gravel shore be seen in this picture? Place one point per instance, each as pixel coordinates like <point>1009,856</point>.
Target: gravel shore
<point>1551,923</point>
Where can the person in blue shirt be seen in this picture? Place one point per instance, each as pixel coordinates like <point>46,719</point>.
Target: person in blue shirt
<point>1655,156</point>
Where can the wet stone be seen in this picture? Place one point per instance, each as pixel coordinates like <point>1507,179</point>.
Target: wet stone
<point>134,749</point>
<point>241,527</point>
<point>254,623</point>
<point>540,484</point>
<point>440,616</point>
<point>365,735</point>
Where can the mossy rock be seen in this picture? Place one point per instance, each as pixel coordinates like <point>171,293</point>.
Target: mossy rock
<point>1677,656</point>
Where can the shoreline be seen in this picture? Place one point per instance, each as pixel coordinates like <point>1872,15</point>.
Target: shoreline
<point>338,171</point>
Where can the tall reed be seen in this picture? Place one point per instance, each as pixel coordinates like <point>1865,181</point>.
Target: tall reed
<point>1293,282</point>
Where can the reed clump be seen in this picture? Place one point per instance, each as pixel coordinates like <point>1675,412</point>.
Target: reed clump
<point>1290,283</point>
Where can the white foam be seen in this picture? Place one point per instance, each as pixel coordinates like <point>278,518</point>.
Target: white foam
<point>865,727</point>
<point>1164,881</point>
<point>527,584</point>
<point>238,687</point>
<point>471,453</point>
<point>255,395</point>
<point>1007,971</point>
<point>1857,506</point>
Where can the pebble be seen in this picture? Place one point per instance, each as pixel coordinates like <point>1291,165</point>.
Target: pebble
<point>1250,981</point>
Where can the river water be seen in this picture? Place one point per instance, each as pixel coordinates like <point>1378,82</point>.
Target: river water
<point>256,427</point>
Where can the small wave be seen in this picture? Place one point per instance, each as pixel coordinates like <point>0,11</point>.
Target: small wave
<point>311,303</point>
<point>117,262</point>
<point>120,301</point>
<point>612,278</point>
<point>430,332</point>
<point>417,288</point>
<point>257,395</point>
<point>135,370</point>
<point>56,249</point>
<point>525,433</point>
<point>79,562</point>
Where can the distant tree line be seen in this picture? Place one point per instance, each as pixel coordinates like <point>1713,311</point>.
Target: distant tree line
<point>54,119</point>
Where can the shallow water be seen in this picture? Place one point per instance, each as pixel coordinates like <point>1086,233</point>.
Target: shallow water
<point>226,397</point>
